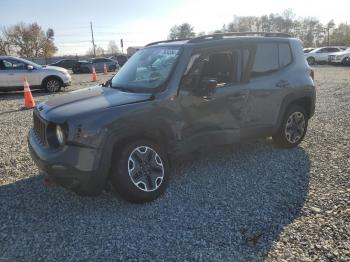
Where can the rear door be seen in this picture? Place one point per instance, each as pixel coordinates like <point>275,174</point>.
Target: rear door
<point>268,84</point>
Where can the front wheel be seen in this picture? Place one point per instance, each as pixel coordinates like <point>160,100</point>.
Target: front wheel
<point>140,171</point>
<point>53,84</point>
<point>293,127</point>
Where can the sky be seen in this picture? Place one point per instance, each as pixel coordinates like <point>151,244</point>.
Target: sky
<point>140,22</point>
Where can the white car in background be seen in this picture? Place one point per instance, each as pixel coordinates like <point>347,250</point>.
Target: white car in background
<point>320,55</point>
<point>14,69</point>
<point>339,57</point>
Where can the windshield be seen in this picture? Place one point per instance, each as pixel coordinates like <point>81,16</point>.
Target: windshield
<point>147,69</point>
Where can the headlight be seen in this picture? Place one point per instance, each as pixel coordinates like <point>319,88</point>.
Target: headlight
<point>60,135</point>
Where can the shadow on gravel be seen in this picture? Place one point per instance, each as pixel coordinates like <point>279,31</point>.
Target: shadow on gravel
<point>227,204</point>
<point>16,95</point>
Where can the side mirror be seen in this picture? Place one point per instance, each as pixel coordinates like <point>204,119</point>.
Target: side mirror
<point>30,67</point>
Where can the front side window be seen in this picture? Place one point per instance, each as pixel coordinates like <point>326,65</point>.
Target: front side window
<point>147,69</point>
<point>224,67</point>
<point>12,64</point>
<point>266,59</point>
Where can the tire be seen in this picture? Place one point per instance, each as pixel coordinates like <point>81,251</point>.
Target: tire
<point>53,84</point>
<point>151,179</point>
<point>293,127</point>
<point>343,62</point>
<point>311,60</point>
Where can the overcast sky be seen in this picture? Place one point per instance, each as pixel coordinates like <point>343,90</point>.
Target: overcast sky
<point>140,22</point>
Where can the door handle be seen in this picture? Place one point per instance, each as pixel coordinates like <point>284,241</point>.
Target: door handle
<point>207,98</point>
<point>282,84</point>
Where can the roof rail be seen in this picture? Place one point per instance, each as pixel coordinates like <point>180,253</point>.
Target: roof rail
<point>222,35</point>
<point>167,41</point>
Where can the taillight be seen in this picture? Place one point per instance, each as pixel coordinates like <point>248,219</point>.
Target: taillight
<point>312,74</point>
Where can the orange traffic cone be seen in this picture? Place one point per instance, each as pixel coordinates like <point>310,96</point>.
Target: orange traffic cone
<point>105,72</point>
<point>94,76</point>
<point>28,98</point>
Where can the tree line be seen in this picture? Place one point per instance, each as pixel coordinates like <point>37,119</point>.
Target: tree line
<point>309,30</point>
<point>30,40</point>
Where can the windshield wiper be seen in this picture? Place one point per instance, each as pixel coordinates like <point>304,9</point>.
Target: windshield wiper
<point>123,89</point>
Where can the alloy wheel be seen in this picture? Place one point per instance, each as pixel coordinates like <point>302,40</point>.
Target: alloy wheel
<point>295,127</point>
<point>145,168</point>
<point>53,85</point>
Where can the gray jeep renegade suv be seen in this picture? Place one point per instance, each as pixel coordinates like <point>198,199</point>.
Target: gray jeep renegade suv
<point>173,97</point>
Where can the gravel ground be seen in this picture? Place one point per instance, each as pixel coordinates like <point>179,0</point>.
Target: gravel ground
<point>248,202</point>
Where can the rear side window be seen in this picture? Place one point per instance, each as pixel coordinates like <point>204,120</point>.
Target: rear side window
<point>266,59</point>
<point>284,54</point>
<point>271,57</point>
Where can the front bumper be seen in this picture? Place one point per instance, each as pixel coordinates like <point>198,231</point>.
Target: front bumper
<point>68,83</point>
<point>76,168</point>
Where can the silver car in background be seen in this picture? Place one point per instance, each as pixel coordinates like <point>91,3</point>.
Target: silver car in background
<point>14,69</point>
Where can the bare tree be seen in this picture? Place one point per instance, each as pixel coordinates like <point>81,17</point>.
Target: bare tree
<point>48,46</point>
<point>5,48</point>
<point>112,48</point>
<point>29,40</point>
<point>99,51</point>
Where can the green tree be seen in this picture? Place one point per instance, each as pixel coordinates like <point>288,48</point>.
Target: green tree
<point>182,31</point>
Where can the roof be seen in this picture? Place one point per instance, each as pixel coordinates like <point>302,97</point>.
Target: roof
<point>223,36</point>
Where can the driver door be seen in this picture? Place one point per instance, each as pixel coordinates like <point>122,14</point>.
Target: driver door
<point>213,99</point>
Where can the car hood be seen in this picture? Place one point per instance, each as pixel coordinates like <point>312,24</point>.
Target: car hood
<point>56,68</point>
<point>85,101</point>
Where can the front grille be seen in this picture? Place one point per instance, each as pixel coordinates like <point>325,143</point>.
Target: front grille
<point>39,128</point>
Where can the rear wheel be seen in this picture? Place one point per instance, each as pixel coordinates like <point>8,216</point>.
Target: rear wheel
<point>293,127</point>
<point>140,171</point>
<point>311,60</point>
<point>53,84</point>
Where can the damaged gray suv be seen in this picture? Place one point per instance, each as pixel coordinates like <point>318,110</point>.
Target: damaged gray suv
<point>170,98</point>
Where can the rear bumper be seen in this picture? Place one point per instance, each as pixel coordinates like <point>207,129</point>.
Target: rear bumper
<point>82,174</point>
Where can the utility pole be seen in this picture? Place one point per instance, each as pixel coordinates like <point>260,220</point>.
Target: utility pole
<point>122,45</point>
<point>327,35</point>
<point>93,40</point>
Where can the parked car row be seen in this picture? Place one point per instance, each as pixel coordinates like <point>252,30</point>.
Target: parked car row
<point>330,54</point>
<point>85,66</point>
